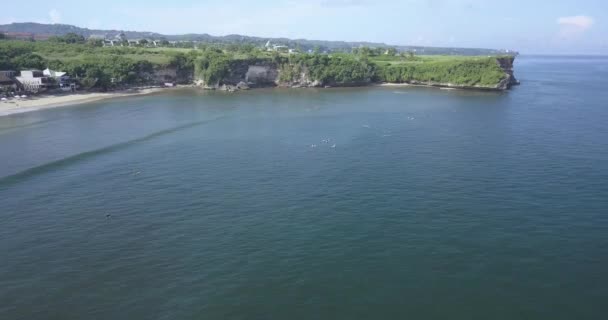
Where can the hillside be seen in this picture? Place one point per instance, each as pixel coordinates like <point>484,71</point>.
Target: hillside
<point>229,66</point>
<point>37,30</point>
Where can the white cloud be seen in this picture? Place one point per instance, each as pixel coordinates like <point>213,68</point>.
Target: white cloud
<point>581,22</point>
<point>572,28</point>
<point>55,16</point>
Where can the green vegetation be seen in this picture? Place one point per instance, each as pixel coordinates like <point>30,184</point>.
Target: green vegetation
<point>95,66</point>
<point>367,65</point>
<point>212,66</point>
<point>337,69</point>
<point>464,71</point>
<point>15,55</point>
<point>68,38</point>
<point>107,67</point>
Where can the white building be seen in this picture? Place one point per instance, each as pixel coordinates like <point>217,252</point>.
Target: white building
<point>62,79</point>
<point>34,81</point>
<point>275,47</point>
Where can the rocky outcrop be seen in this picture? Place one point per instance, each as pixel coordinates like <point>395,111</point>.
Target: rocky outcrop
<point>164,74</point>
<point>261,75</point>
<point>499,87</point>
<point>244,75</point>
<point>303,82</point>
<point>506,64</point>
<point>251,75</point>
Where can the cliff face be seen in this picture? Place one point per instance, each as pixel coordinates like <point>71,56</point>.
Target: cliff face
<point>267,74</point>
<point>506,64</point>
<point>165,74</point>
<point>244,75</point>
<point>299,79</point>
<point>261,75</point>
<point>256,74</point>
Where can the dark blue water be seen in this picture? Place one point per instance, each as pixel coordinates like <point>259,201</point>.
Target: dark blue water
<point>423,204</point>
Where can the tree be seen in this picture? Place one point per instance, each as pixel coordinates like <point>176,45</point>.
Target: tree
<point>247,48</point>
<point>164,42</point>
<point>73,38</point>
<point>183,64</point>
<point>275,57</point>
<point>365,51</point>
<point>391,52</point>
<point>143,42</point>
<point>70,38</point>
<point>2,36</point>
<point>95,43</point>
<point>28,60</point>
<point>409,55</point>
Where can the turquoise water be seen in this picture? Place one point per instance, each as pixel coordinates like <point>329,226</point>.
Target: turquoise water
<point>423,204</point>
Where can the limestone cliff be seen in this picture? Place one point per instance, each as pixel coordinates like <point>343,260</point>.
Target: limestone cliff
<point>265,73</point>
<point>245,74</point>
<point>506,64</point>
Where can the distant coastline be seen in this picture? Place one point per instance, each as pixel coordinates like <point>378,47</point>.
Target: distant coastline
<point>31,71</point>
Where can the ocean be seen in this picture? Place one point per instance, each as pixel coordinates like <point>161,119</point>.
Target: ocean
<point>360,203</point>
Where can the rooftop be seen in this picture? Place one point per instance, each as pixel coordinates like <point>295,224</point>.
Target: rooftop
<point>5,79</point>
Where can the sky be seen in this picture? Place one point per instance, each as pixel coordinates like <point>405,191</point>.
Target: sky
<point>528,26</point>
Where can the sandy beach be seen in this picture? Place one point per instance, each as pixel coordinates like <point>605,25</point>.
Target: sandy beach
<point>41,102</point>
<point>386,84</point>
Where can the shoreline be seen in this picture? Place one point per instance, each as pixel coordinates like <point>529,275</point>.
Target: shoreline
<point>49,101</point>
<point>440,86</point>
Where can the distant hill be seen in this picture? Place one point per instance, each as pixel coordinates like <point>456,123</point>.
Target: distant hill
<point>42,31</point>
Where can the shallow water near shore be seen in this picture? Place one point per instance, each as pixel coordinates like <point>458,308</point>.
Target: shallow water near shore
<point>362,203</point>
